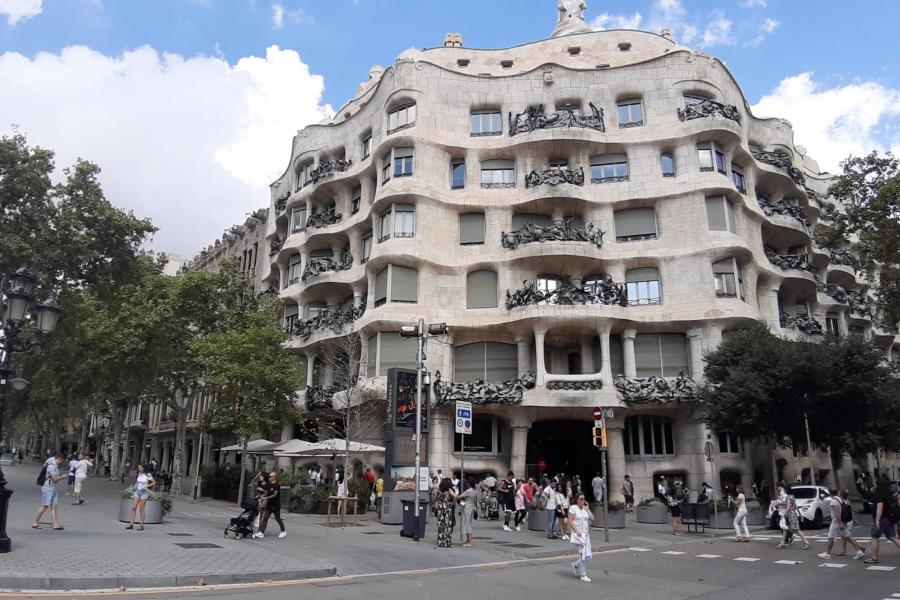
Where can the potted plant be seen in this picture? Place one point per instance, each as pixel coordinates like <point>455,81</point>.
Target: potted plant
<point>537,515</point>
<point>158,505</point>
<point>652,510</point>
<point>726,513</point>
<point>614,519</point>
<point>755,514</point>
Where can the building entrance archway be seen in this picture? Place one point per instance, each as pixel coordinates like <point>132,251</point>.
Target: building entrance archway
<point>566,447</point>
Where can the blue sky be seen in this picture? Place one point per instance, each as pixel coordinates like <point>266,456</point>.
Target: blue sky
<point>152,89</point>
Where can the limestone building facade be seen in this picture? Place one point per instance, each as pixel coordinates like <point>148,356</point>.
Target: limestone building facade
<point>589,214</point>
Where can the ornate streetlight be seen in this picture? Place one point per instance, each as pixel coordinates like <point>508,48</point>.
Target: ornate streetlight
<point>19,309</point>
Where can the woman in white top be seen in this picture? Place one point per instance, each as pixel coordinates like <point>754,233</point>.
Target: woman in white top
<point>740,502</point>
<point>562,511</point>
<point>580,517</point>
<point>143,483</point>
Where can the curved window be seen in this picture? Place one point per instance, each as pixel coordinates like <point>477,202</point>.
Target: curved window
<point>355,200</point>
<point>298,218</point>
<point>367,145</point>
<point>402,117</point>
<point>366,248</point>
<point>635,224</point>
<point>643,286</point>
<point>481,289</point>
<point>630,113</point>
<point>457,174</point>
<point>737,176</point>
<point>711,157</point>
<point>648,435</point>
<point>498,173</point>
<point>832,324</point>
<point>661,354</point>
<point>291,312</point>
<point>471,228</point>
<point>488,361</point>
<point>609,168</point>
<point>398,221</point>
<point>727,279</point>
<point>396,284</point>
<point>667,164</point>
<point>295,269</point>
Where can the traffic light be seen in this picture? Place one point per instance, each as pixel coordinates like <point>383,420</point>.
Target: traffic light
<point>599,435</point>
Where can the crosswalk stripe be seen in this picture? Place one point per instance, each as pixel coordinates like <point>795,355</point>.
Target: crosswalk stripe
<point>788,562</point>
<point>879,568</point>
<point>897,595</point>
<point>833,565</point>
<point>640,549</point>
<point>746,559</point>
<point>709,556</point>
<point>672,553</point>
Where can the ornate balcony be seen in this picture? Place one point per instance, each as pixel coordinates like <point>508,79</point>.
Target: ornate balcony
<point>882,324</point>
<point>602,291</point>
<point>859,304</point>
<point>827,212</point>
<point>833,290</point>
<point>574,386</point>
<point>275,246</point>
<point>804,323</point>
<point>327,169</point>
<point>555,232</point>
<point>318,397</point>
<point>844,257</point>
<point>780,207</point>
<point>659,390</point>
<point>535,118</point>
<point>709,108</point>
<point>554,176</point>
<point>781,160</point>
<point>317,266</point>
<point>482,392</point>
<point>797,262</point>
<point>334,319</point>
<point>323,218</point>
<point>280,205</point>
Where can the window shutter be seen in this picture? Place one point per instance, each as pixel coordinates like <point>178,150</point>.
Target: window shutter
<point>471,228</point>
<point>381,285</point>
<point>481,289</point>
<point>724,266</point>
<point>646,354</point>
<point>291,310</point>
<point>608,159</point>
<point>642,274</point>
<point>396,352</point>
<point>501,361</point>
<point>403,152</point>
<point>715,213</point>
<point>404,284</point>
<point>468,362</point>
<point>729,216</point>
<point>519,220</point>
<point>498,163</point>
<point>635,221</point>
<point>673,347</point>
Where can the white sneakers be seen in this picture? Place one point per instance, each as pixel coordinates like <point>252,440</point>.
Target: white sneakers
<point>518,528</point>
<point>859,555</point>
<point>282,535</point>
<point>823,556</point>
<point>565,538</point>
<point>585,579</point>
<point>506,528</point>
<point>259,535</point>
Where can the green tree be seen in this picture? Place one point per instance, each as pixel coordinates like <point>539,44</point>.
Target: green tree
<point>869,189</point>
<point>252,377</point>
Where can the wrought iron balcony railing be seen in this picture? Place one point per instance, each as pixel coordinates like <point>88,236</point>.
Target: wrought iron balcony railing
<point>319,397</point>
<point>323,218</point>
<point>859,304</point>
<point>554,176</point>
<point>482,392</point>
<point>842,256</point>
<point>659,390</point>
<point>828,211</point>
<point>280,205</point>
<point>797,262</point>
<point>555,232</point>
<point>804,323</point>
<point>335,319</point>
<point>327,169</point>
<point>833,290</point>
<point>781,207</point>
<point>709,108</point>
<point>275,247</point>
<point>599,291</point>
<point>535,118</point>
<point>781,160</point>
<point>316,266</point>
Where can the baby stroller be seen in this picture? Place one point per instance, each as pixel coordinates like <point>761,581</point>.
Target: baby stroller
<point>242,525</point>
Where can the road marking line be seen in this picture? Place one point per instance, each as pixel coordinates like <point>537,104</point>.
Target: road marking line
<point>896,595</point>
<point>709,556</point>
<point>833,565</point>
<point>788,562</point>
<point>672,553</point>
<point>746,559</point>
<point>640,549</point>
<point>880,568</point>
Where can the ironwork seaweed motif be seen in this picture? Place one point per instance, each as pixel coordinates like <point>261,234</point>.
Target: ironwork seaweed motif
<point>659,390</point>
<point>535,118</point>
<point>859,304</point>
<point>600,291</point>
<point>781,160</point>
<point>833,290</point>
<point>780,207</point>
<point>828,211</point>
<point>842,256</point>
<point>334,319</point>
<point>709,108</point>
<point>555,232</point>
<point>327,169</point>
<point>319,265</point>
<point>883,324</point>
<point>482,392</point>
<point>594,384</point>
<point>804,323</point>
<point>323,218</point>
<point>799,262</point>
<point>280,205</point>
<point>555,176</point>
<point>275,246</point>
<point>318,397</point>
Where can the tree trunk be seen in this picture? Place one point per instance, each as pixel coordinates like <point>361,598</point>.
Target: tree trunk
<point>54,436</point>
<point>114,459</point>
<point>242,483</point>
<point>836,459</point>
<point>85,426</point>
<point>178,459</point>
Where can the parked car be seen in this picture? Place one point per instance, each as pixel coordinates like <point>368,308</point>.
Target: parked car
<point>812,501</point>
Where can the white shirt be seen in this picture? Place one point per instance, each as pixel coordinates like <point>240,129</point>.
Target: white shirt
<point>52,471</point>
<point>597,484</point>
<point>141,482</point>
<point>582,523</point>
<point>835,504</point>
<point>72,464</point>
<point>741,502</point>
<point>81,468</point>
<point>550,495</point>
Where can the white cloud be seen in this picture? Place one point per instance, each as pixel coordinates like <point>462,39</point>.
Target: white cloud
<point>190,142</point>
<point>277,16</point>
<point>766,27</point>
<point>20,10</point>
<point>834,123</point>
<point>608,21</point>
<point>770,25</point>
<point>717,32</point>
<point>754,3</point>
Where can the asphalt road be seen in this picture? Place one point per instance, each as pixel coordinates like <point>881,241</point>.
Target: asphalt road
<point>690,569</point>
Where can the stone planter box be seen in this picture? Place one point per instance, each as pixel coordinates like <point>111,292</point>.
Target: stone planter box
<point>153,514</point>
<point>654,513</point>
<point>537,520</point>
<point>615,519</point>
<point>756,517</point>
<point>726,518</point>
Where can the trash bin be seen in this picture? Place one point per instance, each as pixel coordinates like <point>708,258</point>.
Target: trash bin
<point>410,528</point>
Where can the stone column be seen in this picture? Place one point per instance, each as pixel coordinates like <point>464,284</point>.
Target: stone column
<point>355,244</point>
<point>357,299</point>
<point>769,310</point>
<point>519,429</point>
<point>605,359</point>
<point>524,357</point>
<point>696,353</point>
<point>628,351</point>
<point>440,442</point>
<point>587,355</point>
<point>164,464</point>
<point>287,432</point>
<point>540,367</point>
<point>310,366</point>
<point>615,451</point>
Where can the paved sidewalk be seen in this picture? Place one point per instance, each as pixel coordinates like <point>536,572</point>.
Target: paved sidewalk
<point>96,551</point>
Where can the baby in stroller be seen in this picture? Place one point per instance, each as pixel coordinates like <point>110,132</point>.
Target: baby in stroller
<point>242,525</point>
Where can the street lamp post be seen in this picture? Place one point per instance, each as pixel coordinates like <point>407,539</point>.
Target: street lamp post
<point>19,310</point>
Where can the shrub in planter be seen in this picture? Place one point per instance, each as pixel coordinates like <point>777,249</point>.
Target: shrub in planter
<point>157,506</point>
<point>614,519</point>
<point>652,510</point>
<point>307,499</point>
<point>360,489</point>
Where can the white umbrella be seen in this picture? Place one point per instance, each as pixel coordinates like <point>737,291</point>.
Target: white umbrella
<point>291,447</point>
<point>338,445</point>
<point>252,446</point>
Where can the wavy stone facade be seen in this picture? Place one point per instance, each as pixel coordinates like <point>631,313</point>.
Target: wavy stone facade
<point>433,179</point>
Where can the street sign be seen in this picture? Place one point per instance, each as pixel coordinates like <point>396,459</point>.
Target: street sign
<point>464,417</point>
<point>599,430</point>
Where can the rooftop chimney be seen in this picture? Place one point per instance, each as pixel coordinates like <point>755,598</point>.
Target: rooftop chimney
<point>666,33</point>
<point>453,40</point>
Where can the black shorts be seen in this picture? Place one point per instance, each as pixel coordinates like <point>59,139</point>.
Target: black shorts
<point>629,499</point>
<point>676,511</point>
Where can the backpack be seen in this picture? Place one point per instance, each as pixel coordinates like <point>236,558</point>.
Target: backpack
<point>42,476</point>
<point>679,493</point>
<point>846,512</point>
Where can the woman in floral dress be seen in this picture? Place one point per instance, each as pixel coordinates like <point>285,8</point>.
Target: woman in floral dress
<point>443,510</point>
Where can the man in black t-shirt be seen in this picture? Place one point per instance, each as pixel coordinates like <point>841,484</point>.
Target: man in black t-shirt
<point>886,514</point>
<point>272,497</point>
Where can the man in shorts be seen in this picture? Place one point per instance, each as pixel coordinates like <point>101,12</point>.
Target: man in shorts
<point>628,492</point>
<point>838,528</point>
<point>81,471</point>
<point>49,495</point>
<point>886,516</point>
<point>507,495</point>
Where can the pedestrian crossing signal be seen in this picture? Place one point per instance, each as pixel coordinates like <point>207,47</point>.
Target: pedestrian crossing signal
<point>599,436</point>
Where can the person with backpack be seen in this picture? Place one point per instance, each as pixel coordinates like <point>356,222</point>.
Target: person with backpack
<point>49,475</point>
<point>886,516</point>
<point>675,497</point>
<point>841,517</point>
